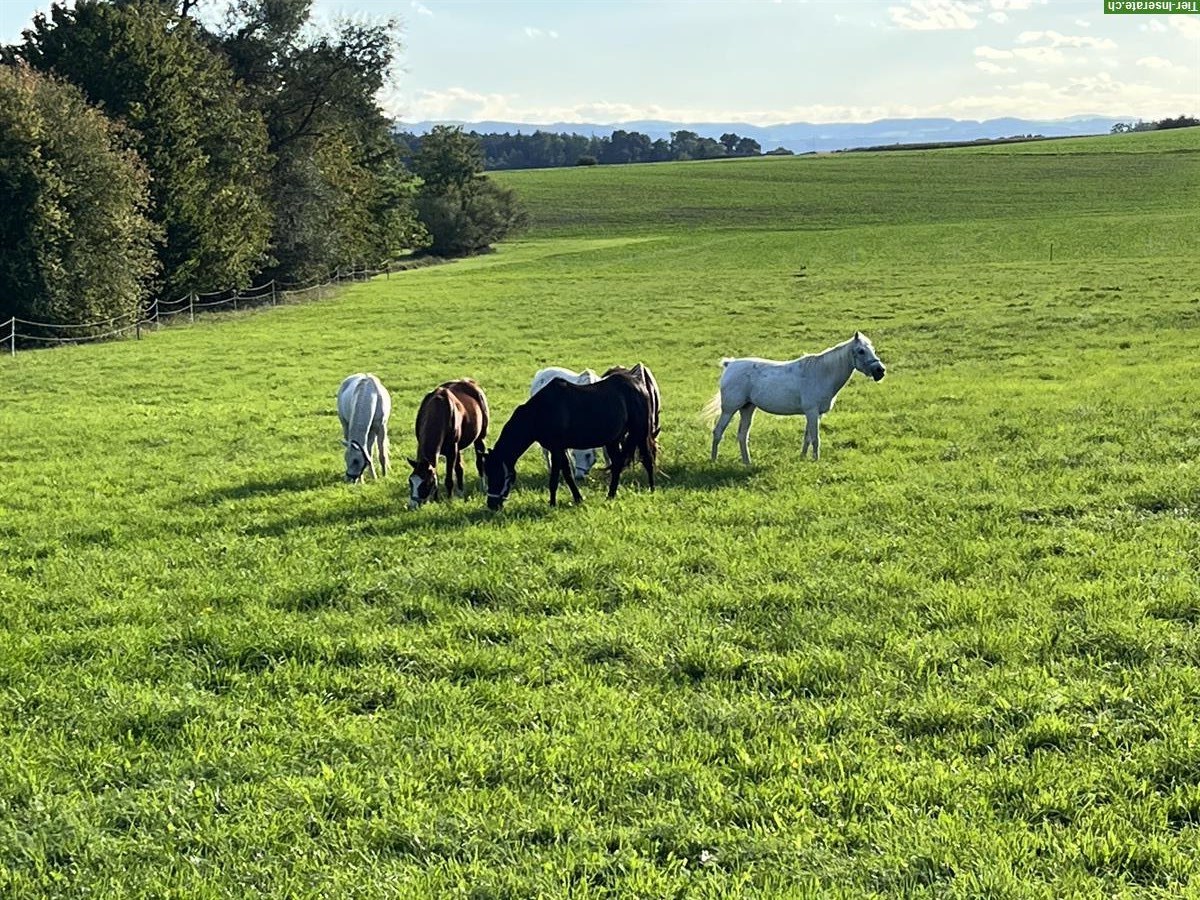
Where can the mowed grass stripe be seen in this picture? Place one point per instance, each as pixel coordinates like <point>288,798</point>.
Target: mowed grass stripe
<point>957,657</point>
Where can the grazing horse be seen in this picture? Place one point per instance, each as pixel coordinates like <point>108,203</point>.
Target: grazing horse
<point>363,405</point>
<point>806,385</point>
<point>642,373</point>
<point>583,459</point>
<point>613,413</point>
<point>452,417</point>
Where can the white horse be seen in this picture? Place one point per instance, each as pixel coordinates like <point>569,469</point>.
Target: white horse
<point>806,385</point>
<point>363,405</point>
<point>583,459</point>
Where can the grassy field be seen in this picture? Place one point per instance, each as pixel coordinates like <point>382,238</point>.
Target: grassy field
<point>957,657</point>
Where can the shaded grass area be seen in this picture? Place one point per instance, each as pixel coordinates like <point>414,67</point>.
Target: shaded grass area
<point>956,658</point>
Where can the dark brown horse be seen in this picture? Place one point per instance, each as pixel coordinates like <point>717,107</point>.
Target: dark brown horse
<point>613,413</point>
<point>452,417</point>
<point>642,373</point>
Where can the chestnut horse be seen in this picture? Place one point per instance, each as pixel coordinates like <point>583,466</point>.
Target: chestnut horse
<point>453,416</point>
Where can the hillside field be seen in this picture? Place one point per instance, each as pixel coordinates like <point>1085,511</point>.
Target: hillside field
<point>956,657</point>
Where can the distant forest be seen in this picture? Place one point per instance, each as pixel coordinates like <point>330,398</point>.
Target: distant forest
<point>543,149</point>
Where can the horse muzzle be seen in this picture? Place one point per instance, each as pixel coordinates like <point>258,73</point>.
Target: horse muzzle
<point>879,373</point>
<point>495,503</point>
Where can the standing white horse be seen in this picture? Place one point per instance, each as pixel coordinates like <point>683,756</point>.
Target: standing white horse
<point>806,385</point>
<point>582,459</point>
<point>363,405</point>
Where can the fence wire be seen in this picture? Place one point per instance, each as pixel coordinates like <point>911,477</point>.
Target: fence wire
<point>16,331</point>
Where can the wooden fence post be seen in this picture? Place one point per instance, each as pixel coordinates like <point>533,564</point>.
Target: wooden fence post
<point>12,336</point>
<point>192,308</point>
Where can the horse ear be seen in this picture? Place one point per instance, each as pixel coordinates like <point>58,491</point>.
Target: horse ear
<point>858,336</point>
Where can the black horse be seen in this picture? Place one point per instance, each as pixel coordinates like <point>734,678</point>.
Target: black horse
<point>642,373</point>
<point>613,413</point>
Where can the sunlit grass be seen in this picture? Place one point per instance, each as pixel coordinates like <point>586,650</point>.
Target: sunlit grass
<point>955,658</point>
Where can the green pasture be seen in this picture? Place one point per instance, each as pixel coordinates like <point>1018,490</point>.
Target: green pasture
<point>957,657</point>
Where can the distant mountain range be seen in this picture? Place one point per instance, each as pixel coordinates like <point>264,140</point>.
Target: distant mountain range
<point>803,137</point>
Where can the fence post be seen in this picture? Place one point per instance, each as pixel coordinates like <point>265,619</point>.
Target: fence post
<point>192,307</point>
<point>272,291</point>
<point>138,326</point>
<point>235,299</point>
<point>12,336</point>
<point>156,324</point>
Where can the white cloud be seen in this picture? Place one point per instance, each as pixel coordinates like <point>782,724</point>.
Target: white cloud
<point>421,9</point>
<point>1189,26</point>
<point>1083,23</point>
<point>1153,25</point>
<point>935,15</point>
<point>1014,4</point>
<point>998,17</point>
<point>1042,56</point>
<point>536,33</point>
<point>992,69</point>
<point>1066,40</point>
<point>1157,62</point>
<point>1034,99</point>
<point>993,53</point>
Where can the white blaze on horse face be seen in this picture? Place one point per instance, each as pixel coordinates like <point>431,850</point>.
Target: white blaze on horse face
<point>414,487</point>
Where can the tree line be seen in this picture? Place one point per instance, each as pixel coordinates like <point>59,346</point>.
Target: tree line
<point>545,149</point>
<point>144,153</point>
<point>1159,125</point>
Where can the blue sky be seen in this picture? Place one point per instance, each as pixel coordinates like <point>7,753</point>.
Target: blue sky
<point>770,61</point>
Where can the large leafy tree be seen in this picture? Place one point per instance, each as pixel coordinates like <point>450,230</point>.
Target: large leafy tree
<point>207,154</point>
<point>338,189</point>
<point>77,245</point>
<point>463,211</point>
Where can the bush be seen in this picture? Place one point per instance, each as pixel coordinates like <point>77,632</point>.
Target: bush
<point>78,246</point>
<point>586,161</point>
<point>467,219</point>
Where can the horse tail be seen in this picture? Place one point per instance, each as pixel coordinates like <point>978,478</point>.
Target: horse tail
<point>712,408</point>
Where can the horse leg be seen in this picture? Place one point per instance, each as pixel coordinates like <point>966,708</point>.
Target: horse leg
<point>615,467</point>
<point>460,487</point>
<point>747,412</point>
<point>546,457</point>
<point>719,430</point>
<point>812,434</point>
<point>568,475</point>
<point>649,454</point>
<point>554,470</point>
<point>480,452</point>
<point>381,444</point>
<point>450,473</point>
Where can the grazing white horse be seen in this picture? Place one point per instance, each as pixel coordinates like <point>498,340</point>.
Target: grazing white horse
<point>583,459</point>
<point>364,405</point>
<point>806,385</point>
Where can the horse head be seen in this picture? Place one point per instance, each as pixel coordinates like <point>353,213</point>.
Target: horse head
<point>357,461</point>
<point>862,352</point>
<point>422,484</point>
<point>499,476</point>
<point>583,460</point>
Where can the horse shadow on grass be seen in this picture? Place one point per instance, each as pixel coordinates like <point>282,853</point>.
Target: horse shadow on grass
<point>390,516</point>
<point>287,484</point>
<point>687,475</point>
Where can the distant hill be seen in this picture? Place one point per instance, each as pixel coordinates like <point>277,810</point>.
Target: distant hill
<point>802,137</point>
